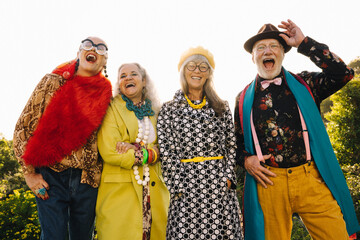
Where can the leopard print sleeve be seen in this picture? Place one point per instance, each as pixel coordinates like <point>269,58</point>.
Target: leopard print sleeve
<point>31,114</point>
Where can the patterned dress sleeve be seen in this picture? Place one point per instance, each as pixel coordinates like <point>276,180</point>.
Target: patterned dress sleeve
<point>31,114</point>
<point>230,146</point>
<point>170,162</point>
<point>335,73</point>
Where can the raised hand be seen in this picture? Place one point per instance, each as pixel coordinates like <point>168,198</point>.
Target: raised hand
<point>296,36</point>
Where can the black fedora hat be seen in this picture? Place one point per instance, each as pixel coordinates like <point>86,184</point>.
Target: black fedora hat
<point>268,31</point>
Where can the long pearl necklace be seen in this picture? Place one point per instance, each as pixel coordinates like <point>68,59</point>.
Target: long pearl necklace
<point>142,138</point>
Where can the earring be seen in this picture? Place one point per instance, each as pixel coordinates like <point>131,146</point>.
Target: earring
<point>77,64</point>
<point>105,71</point>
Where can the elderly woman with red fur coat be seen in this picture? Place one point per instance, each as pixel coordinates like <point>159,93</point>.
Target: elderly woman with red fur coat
<point>55,142</point>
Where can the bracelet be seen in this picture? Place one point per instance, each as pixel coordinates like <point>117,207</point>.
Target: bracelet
<point>145,155</point>
<point>138,157</point>
<point>155,155</point>
<point>151,154</point>
<point>138,147</point>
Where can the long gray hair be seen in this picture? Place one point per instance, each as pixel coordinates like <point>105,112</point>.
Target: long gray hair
<point>209,91</point>
<point>149,91</point>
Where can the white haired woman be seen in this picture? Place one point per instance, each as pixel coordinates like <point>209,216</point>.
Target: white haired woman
<point>133,199</point>
<point>197,148</point>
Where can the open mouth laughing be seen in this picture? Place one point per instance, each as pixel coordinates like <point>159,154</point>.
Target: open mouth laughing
<point>269,63</point>
<point>91,57</point>
<point>129,85</point>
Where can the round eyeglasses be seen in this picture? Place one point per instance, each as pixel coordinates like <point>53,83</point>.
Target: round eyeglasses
<point>203,67</point>
<point>100,48</point>
<point>272,47</point>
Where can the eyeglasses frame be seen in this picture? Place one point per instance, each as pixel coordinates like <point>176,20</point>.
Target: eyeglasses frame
<point>197,66</point>
<point>94,46</point>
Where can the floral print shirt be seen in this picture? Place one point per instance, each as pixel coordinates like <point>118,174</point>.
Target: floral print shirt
<point>275,113</point>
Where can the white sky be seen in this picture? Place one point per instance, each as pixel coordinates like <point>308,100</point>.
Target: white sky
<point>38,35</point>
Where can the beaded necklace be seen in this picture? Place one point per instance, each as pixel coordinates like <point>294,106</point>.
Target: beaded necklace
<point>140,111</point>
<point>141,139</point>
<point>199,106</point>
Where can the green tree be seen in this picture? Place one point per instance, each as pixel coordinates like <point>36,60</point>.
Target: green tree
<point>8,164</point>
<point>11,177</point>
<point>325,107</point>
<point>343,126</point>
<point>344,132</point>
<point>355,64</point>
<point>352,173</point>
<point>18,213</point>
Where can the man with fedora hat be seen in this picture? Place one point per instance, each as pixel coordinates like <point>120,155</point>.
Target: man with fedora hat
<point>283,144</point>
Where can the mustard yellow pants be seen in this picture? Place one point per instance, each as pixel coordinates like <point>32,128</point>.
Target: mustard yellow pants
<point>300,190</point>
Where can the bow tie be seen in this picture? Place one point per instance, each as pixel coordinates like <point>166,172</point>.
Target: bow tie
<point>266,83</point>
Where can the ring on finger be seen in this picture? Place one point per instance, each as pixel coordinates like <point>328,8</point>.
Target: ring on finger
<point>41,191</point>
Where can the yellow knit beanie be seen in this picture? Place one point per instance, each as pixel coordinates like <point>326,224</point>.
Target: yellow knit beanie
<point>194,51</point>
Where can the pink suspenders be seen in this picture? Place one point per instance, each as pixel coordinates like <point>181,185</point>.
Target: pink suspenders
<point>305,136</point>
<point>255,138</point>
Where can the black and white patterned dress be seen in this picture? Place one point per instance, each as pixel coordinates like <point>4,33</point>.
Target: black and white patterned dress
<point>201,206</point>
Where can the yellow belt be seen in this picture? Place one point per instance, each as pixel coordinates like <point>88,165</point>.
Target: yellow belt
<point>200,159</point>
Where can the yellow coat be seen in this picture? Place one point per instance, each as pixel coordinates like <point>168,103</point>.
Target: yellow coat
<point>119,202</point>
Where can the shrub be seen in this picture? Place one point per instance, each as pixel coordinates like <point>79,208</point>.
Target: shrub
<point>11,177</point>
<point>18,216</point>
<point>352,173</point>
<point>299,231</point>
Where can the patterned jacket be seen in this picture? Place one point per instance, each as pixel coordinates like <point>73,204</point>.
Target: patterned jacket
<point>85,158</point>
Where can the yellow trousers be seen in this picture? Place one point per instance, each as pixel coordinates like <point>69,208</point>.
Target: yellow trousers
<point>300,190</point>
